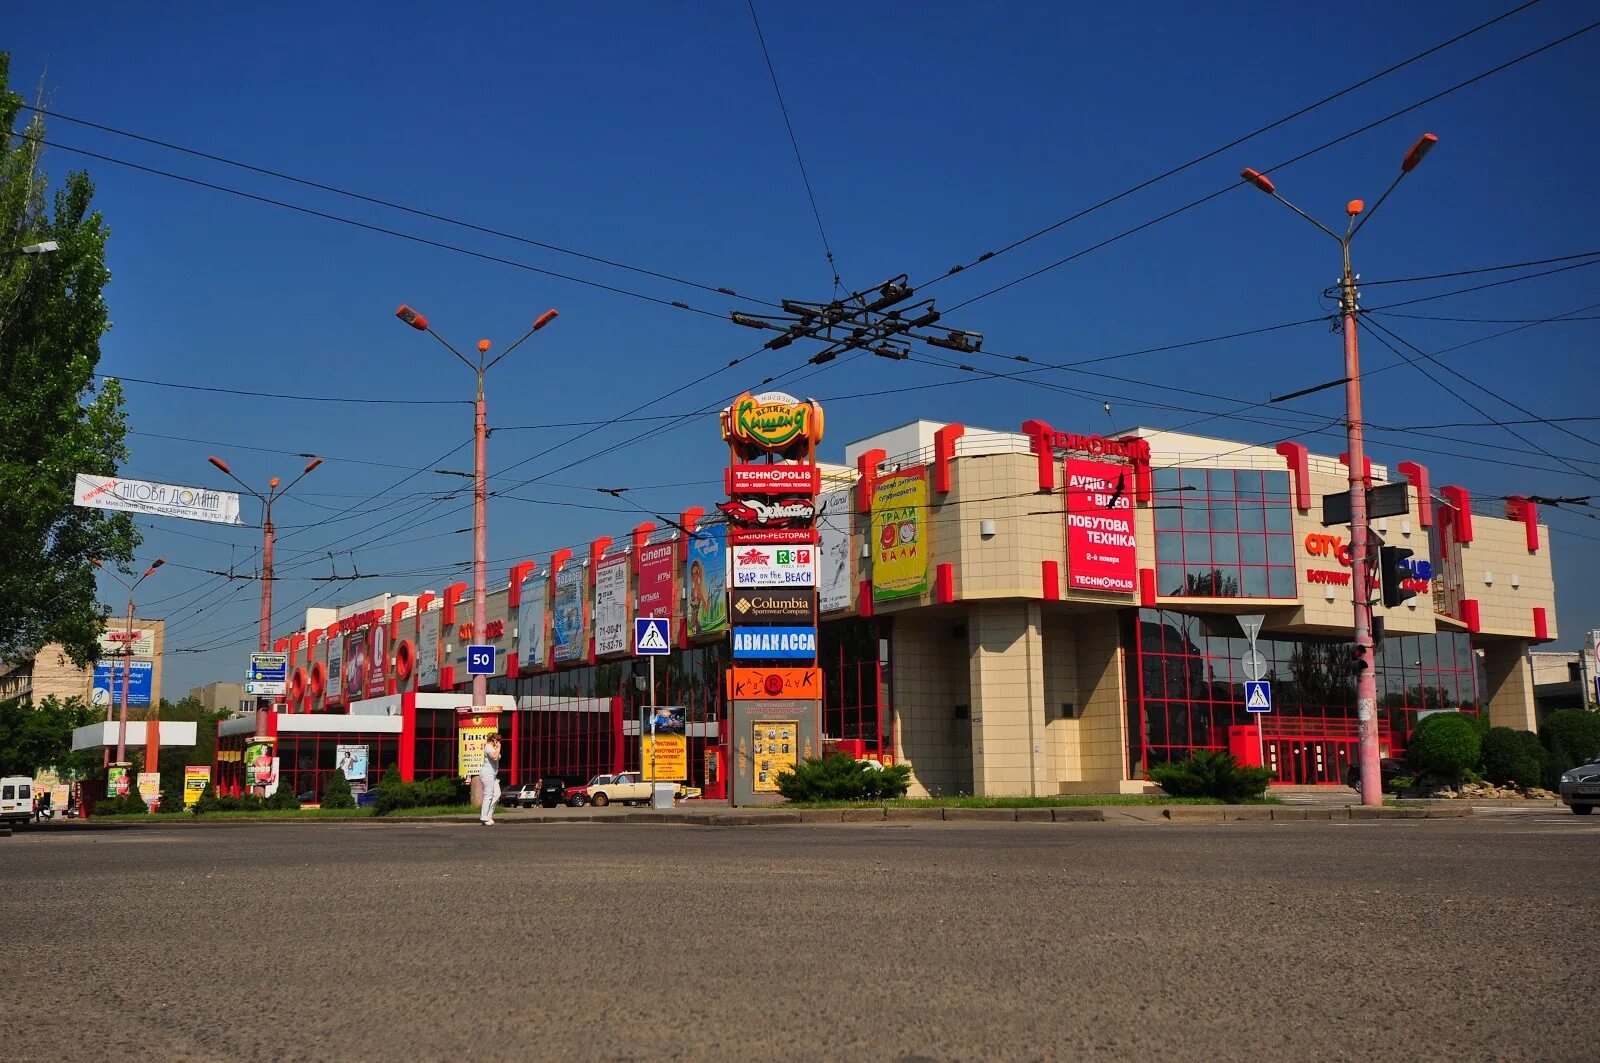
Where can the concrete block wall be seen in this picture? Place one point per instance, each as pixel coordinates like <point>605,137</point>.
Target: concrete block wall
<point>1008,705</point>
<point>1030,527</point>
<point>1102,727</point>
<point>1498,552</point>
<point>1508,677</point>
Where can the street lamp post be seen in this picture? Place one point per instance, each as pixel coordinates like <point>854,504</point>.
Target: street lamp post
<point>1361,561</point>
<point>268,538</point>
<point>480,473</point>
<point>127,652</point>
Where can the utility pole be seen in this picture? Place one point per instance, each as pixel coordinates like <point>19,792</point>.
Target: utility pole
<point>480,473</point>
<point>1362,560</point>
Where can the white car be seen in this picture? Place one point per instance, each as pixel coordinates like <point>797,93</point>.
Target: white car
<point>1580,788</point>
<point>16,800</point>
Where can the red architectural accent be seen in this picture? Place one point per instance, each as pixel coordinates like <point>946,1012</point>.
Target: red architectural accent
<point>294,646</point>
<point>312,637</point>
<point>1366,461</point>
<point>513,666</point>
<point>1147,587</point>
<point>864,598</point>
<point>1050,571</point>
<point>867,477</point>
<point>689,519</point>
<point>452,595</point>
<point>517,573</point>
<point>424,600</point>
<point>1541,624</point>
<point>1297,457</point>
<point>407,751</point>
<point>944,449</point>
<point>617,743</point>
<point>1469,615</point>
<point>1417,475</point>
<point>641,538</point>
<point>447,677</point>
<point>944,584</point>
<point>396,611</point>
<point>1143,489</point>
<point>1519,508</point>
<point>1460,500</point>
<point>1041,441</point>
<point>281,646</point>
<point>558,561</point>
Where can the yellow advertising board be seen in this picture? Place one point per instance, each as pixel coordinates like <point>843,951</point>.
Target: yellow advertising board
<point>900,535</point>
<point>196,777</point>
<point>472,731</point>
<point>149,784</point>
<point>664,758</point>
<point>776,751</point>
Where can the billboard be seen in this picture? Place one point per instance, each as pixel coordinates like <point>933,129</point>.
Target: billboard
<point>777,605</point>
<point>658,585</point>
<point>775,643</point>
<point>1100,542</point>
<point>115,643</point>
<point>472,732</point>
<point>759,565</point>
<point>533,652</point>
<point>900,535</point>
<point>611,606</point>
<point>567,641</point>
<point>355,666</point>
<point>837,579</point>
<point>377,660</point>
<point>707,580</point>
<point>155,499</point>
<point>108,682</point>
<point>352,761</point>
<point>196,777</point>
<point>428,649</point>
<point>333,690</point>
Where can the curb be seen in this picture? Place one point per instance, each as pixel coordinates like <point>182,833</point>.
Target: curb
<point>1262,814</point>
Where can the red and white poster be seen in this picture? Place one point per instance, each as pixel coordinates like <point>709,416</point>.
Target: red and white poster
<point>377,661</point>
<point>1100,544</point>
<point>658,588</point>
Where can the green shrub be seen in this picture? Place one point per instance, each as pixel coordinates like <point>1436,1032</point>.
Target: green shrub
<point>1513,758</point>
<point>843,778</point>
<point>1578,731</point>
<point>1445,743</point>
<point>1211,773</point>
<point>337,793</point>
<point>207,801</point>
<point>284,799</point>
<point>1401,783</point>
<point>1556,761</point>
<point>130,804</point>
<point>428,793</point>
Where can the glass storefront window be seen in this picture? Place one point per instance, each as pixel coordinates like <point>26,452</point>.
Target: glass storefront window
<point>1224,533</point>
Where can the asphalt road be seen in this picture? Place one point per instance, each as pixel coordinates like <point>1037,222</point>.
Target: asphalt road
<point>1434,939</point>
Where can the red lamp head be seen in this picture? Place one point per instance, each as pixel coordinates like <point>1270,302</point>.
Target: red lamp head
<point>219,463</point>
<point>1259,179</point>
<point>1418,152</point>
<point>412,318</point>
<point>544,319</point>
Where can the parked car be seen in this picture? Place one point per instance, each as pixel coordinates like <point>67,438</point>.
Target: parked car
<point>523,796</point>
<point>576,796</point>
<point>1580,788</point>
<point>551,791</point>
<point>625,787</point>
<point>1389,769</point>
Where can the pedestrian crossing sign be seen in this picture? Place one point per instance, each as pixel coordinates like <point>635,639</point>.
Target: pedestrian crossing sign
<point>650,636</point>
<point>1257,696</point>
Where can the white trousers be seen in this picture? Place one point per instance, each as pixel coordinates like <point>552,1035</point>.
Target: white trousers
<point>491,795</point>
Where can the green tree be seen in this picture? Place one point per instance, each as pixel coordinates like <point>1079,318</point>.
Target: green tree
<point>1513,757</point>
<point>54,422</point>
<point>33,738</point>
<point>1576,730</point>
<point>337,793</point>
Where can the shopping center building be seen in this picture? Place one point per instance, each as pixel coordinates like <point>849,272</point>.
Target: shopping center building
<point>1025,612</point>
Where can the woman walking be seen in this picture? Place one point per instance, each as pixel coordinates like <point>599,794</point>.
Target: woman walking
<point>490,774</point>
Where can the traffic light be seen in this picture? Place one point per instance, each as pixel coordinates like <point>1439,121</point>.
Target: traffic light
<point>1358,660</point>
<point>1393,570</point>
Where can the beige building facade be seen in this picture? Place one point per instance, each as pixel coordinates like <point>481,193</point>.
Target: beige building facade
<point>51,673</point>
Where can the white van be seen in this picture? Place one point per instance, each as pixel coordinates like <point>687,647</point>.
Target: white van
<point>16,799</point>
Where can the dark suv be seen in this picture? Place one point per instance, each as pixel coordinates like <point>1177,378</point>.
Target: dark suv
<point>552,790</point>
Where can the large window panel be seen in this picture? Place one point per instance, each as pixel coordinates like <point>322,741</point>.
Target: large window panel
<point>1230,522</point>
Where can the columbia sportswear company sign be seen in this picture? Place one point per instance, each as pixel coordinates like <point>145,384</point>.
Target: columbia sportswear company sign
<point>1101,554</point>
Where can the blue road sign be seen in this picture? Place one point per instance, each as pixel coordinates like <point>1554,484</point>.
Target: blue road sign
<point>1257,696</point>
<point>480,660</point>
<point>651,636</point>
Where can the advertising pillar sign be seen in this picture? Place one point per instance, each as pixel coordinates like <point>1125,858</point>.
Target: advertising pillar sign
<point>611,606</point>
<point>196,777</point>
<point>899,535</point>
<point>664,750</point>
<point>117,780</point>
<point>1101,554</point>
<point>472,731</point>
<point>150,787</point>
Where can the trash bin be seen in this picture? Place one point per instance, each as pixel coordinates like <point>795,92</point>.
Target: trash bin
<point>664,793</point>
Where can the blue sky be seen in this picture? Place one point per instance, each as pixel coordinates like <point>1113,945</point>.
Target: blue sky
<point>650,134</point>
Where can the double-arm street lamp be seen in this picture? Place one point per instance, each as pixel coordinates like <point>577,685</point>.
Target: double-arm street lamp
<point>127,652</point>
<point>480,474</point>
<point>1361,561</point>
<point>268,537</point>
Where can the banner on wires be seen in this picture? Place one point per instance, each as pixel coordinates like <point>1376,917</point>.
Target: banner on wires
<point>155,499</point>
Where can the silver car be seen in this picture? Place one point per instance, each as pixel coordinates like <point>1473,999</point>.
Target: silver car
<point>1580,788</point>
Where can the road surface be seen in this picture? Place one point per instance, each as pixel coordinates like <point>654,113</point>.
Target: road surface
<point>1433,939</point>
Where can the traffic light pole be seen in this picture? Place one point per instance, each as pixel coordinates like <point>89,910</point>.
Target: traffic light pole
<point>1360,536</point>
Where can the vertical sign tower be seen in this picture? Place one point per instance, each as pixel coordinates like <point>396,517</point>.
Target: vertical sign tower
<point>774,690</point>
